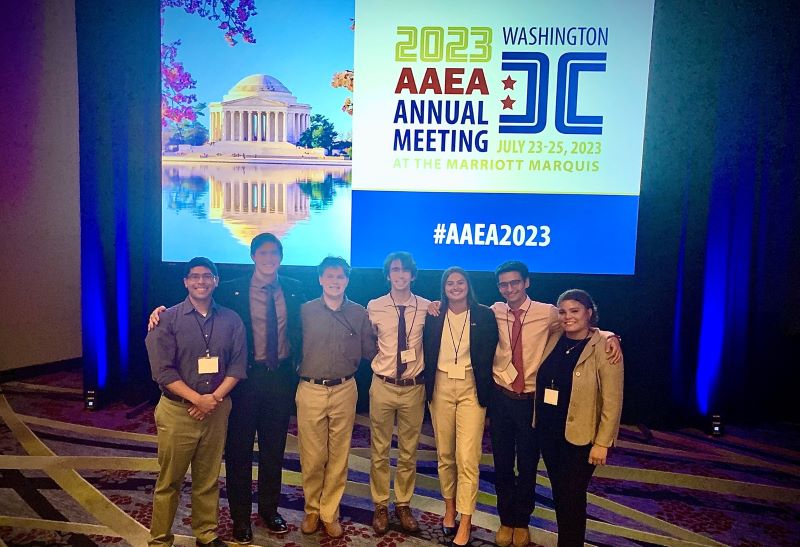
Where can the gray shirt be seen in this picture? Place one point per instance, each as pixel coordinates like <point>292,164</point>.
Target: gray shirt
<point>334,342</point>
<point>183,335</point>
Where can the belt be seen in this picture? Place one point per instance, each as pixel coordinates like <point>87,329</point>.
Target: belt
<point>326,383</point>
<point>416,380</point>
<point>172,397</point>
<point>513,394</point>
<point>263,364</point>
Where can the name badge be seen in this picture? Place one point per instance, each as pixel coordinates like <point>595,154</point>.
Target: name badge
<point>550,396</point>
<point>208,365</point>
<point>508,374</point>
<point>457,372</point>
<point>408,355</point>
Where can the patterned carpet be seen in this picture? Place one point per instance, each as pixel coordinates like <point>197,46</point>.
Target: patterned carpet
<point>72,477</point>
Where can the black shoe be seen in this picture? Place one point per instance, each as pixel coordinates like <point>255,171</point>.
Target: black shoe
<point>275,524</point>
<point>454,544</point>
<point>242,533</point>
<point>216,542</point>
<point>449,531</point>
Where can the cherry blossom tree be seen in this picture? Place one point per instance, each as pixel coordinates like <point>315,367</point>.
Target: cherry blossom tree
<point>345,79</point>
<point>231,17</point>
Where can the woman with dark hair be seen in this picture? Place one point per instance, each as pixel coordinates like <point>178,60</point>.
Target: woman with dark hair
<point>459,347</point>
<point>578,408</point>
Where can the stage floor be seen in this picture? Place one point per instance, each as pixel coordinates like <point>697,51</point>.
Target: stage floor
<point>72,477</point>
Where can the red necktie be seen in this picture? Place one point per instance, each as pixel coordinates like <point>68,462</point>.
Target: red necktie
<point>516,351</point>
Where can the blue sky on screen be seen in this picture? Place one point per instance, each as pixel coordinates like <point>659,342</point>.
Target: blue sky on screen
<point>301,44</point>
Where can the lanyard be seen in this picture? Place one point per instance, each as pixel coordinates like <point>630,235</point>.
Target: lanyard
<point>413,319</point>
<point>341,318</point>
<point>206,338</point>
<point>521,324</point>
<point>453,338</point>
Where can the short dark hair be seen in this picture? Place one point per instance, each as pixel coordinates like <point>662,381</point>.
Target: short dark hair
<point>265,237</point>
<point>200,261</point>
<point>334,262</point>
<point>585,299</point>
<point>471,300</point>
<point>405,259</point>
<point>512,266</point>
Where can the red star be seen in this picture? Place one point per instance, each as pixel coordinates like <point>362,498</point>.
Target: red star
<point>508,83</point>
<point>508,103</point>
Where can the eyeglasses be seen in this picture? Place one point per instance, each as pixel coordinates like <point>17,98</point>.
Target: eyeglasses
<point>198,277</point>
<point>509,284</point>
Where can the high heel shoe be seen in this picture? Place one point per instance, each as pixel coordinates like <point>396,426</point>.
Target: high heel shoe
<point>449,531</point>
<point>454,544</point>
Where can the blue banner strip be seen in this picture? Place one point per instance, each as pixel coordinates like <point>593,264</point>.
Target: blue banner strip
<point>551,233</point>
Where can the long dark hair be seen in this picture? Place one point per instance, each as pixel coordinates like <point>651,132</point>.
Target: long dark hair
<point>471,300</point>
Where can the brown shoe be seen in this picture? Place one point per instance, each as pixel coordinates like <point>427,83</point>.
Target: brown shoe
<point>380,519</point>
<point>310,523</point>
<point>333,529</point>
<point>504,536</point>
<point>407,520</point>
<point>522,537</point>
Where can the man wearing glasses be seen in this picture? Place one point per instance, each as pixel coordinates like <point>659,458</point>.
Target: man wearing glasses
<point>197,355</point>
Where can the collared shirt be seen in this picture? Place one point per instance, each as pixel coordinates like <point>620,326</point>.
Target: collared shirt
<point>258,318</point>
<point>537,320</point>
<point>384,316</point>
<point>183,335</point>
<point>335,341</point>
<point>454,348</point>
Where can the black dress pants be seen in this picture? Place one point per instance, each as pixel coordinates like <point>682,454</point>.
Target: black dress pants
<point>514,442</point>
<point>570,472</point>
<point>262,405</point>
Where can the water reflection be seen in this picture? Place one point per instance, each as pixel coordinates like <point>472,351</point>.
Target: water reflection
<point>247,199</point>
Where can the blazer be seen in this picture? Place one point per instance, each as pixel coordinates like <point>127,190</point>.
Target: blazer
<point>482,345</point>
<point>595,403</point>
<point>235,294</point>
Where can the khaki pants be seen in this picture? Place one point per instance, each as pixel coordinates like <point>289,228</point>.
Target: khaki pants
<point>325,417</point>
<point>458,422</point>
<point>182,440</point>
<point>406,404</point>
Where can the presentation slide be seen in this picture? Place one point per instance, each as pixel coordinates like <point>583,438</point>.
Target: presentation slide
<point>477,133</point>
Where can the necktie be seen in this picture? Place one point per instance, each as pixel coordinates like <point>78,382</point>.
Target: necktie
<point>272,329</point>
<point>402,341</point>
<point>516,351</point>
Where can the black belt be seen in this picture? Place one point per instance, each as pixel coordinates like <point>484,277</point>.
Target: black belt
<point>263,364</point>
<point>416,380</point>
<point>172,397</point>
<point>326,383</point>
<point>513,394</point>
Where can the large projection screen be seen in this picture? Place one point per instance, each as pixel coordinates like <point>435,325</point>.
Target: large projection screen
<point>477,132</point>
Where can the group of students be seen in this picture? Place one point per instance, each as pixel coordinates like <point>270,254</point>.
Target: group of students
<point>547,378</point>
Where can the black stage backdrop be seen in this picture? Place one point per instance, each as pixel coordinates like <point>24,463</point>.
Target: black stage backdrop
<point>717,283</point>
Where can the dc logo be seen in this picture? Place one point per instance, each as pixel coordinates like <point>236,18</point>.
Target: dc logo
<point>537,67</point>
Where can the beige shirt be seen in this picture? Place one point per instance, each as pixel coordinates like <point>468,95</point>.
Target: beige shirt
<point>258,319</point>
<point>537,320</point>
<point>454,343</point>
<point>383,314</point>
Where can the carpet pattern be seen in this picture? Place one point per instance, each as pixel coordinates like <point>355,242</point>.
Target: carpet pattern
<point>72,477</point>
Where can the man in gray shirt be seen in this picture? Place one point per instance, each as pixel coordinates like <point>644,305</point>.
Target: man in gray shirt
<point>198,353</point>
<point>337,336</point>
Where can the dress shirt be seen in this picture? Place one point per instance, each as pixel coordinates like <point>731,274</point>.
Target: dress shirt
<point>258,318</point>
<point>175,345</point>
<point>383,314</point>
<point>454,343</point>
<point>335,341</point>
<point>537,321</point>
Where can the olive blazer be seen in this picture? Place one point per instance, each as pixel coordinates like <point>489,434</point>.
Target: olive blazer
<point>595,403</point>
